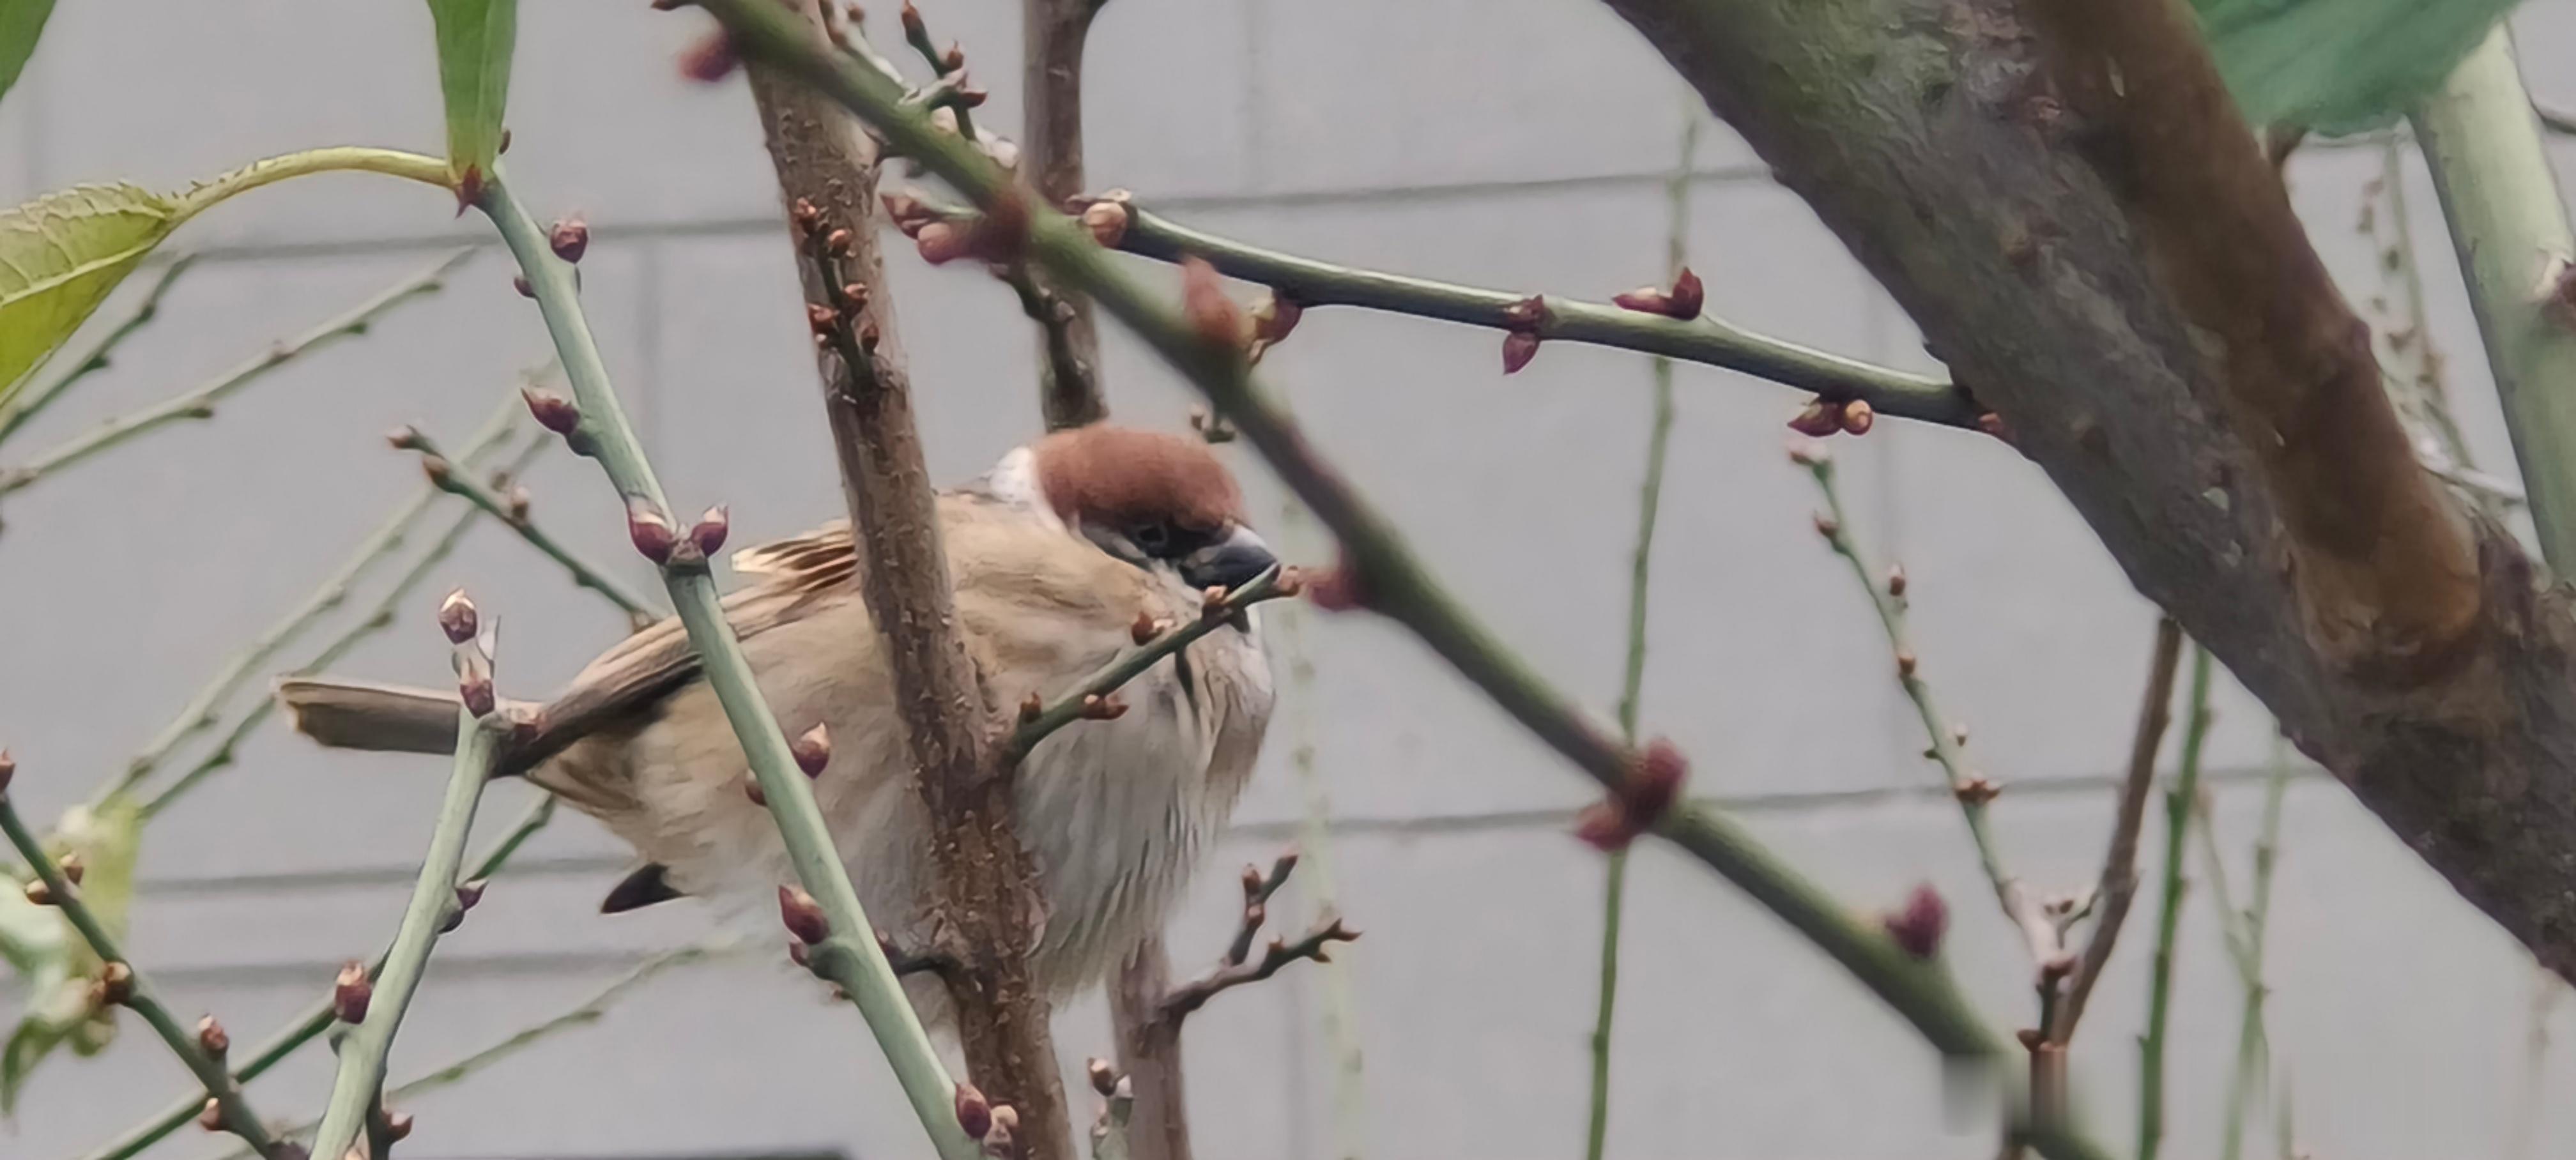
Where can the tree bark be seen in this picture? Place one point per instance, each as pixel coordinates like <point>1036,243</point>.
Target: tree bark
<point>2089,250</point>
<point>989,906</point>
<point>1052,35</point>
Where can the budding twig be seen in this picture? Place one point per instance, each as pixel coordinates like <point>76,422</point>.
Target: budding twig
<point>1191,996</point>
<point>317,1018</point>
<point>22,409</point>
<point>444,476</point>
<point>854,963</point>
<point>2119,883</point>
<point>232,1110</point>
<point>358,1089</point>
<point>1072,705</point>
<point>200,403</point>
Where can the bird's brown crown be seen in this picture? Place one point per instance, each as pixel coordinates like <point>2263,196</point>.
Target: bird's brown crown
<point>1121,475</point>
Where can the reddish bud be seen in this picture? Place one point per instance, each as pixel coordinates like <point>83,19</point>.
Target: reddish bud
<point>570,239</point>
<point>1688,295</point>
<point>839,242</point>
<point>913,27</point>
<point>1527,314</point>
<point>1100,708</point>
<point>1274,317</point>
<point>1976,791</point>
<point>72,867</point>
<point>1032,709</point>
<point>505,142</point>
<point>519,282</point>
<point>1519,347</point>
<point>1104,1078</point>
<point>350,994</point>
<point>1919,925</point>
<point>8,770</point>
<point>803,915</point>
<point>1827,526</point>
<point>711,59</point>
<point>39,892</point>
<point>211,1117</point>
<point>1146,628</point>
<point>806,218</point>
<point>469,893</point>
<point>439,471</point>
<point>953,59</point>
<point>1858,416</point>
<point>710,530</point>
<point>213,1039</point>
<point>650,530</point>
<point>115,983</point>
<point>812,749</point>
<point>1821,418</point>
<point>406,438</point>
<point>1338,589</point>
<point>1896,580</point>
<point>1655,782</point>
<point>469,188</point>
<point>458,618</point>
<point>475,689</point>
<point>1605,827</point>
<point>552,411</point>
<point>1644,300</point>
<point>1213,315</point>
<point>854,295</point>
<point>974,1113</point>
<point>1107,221</point>
<point>1993,424</point>
<point>1253,884</point>
<point>1005,1119</point>
<point>821,319</point>
<point>397,1125</point>
<point>751,789</point>
<point>941,242</point>
<point>517,501</point>
<point>1905,663</point>
<point>973,98</point>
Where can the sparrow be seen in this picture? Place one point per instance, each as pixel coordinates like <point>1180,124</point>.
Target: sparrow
<point>1055,556</point>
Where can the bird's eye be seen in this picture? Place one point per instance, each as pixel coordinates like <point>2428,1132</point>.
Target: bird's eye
<point>1152,539</point>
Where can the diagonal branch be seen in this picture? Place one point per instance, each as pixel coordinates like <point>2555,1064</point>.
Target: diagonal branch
<point>512,512</point>
<point>2119,884</point>
<point>122,984</point>
<point>1092,697</point>
<point>1053,34</point>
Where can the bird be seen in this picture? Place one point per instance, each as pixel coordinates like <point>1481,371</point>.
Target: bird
<point>1057,556</point>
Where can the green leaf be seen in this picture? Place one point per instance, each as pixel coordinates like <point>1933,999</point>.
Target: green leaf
<point>2337,67</point>
<point>60,255</point>
<point>54,965</point>
<point>475,39</point>
<point>20,22</point>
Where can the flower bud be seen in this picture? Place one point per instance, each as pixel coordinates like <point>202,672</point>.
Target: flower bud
<point>475,689</point>
<point>1104,1078</point>
<point>570,239</point>
<point>650,530</point>
<point>1858,417</point>
<point>709,532</point>
<point>751,789</point>
<point>39,893</point>
<point>115,983</point>
<point>1896,580</point>
<point>350,994</point>
<point>974,1114</point>
<point>813,749</point>
<point>913,27</point>
<point>1527,314</point>
<point>213,1039</point>
<point>806,218</point>
<point>457,617</point>
<point>1644,300</point>
<point>821,319</point>
<point>941,242</point>
<point>1145,629</point>
<point>803,915</point>
<point>1919,925</point>
<point>1519,347</point>
<point>72,867</point>
<point>406,438</point>
<point>1820,418</point>
<point>1107,221</point>
<point>553,412</point>
<point>519,282</point>
<point>839,243</point>
<point>1099,708</point>
<point>711,59</point>
<point>211,1117</point>
<point>1689,295</point>
<point>1032,709</point>
<point>397,1125</point>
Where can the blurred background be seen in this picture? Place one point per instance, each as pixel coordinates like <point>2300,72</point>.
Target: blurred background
<point>1519,144</point>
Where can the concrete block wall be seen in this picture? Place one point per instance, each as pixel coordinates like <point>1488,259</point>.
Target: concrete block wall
<point>1517,143</point>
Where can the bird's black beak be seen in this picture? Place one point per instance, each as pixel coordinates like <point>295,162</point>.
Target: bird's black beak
<point>1228,563</point>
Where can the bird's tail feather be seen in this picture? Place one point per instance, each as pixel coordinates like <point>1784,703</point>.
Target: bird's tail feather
<point>357,715</point>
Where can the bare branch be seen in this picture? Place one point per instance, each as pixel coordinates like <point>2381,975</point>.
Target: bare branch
<point>1093,696</point>
<point>512,512</point>
<point>2119,884</point>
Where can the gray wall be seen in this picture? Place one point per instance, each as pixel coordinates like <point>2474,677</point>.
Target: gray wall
<point>1514,143</point>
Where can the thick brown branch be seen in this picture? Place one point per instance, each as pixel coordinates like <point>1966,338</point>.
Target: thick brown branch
<point>1926,138</point>
<point>987,884</point>
<point>1052,36</point>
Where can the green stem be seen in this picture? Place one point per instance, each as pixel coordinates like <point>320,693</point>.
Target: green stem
<point>639,611</point>
<point>316,1019</point>
<point>201,712</point>
<point>2514,243</point>
<point>200,403</point>
<point>2178,805</point>
<point>374,621</point>
<point>1708,341</point>
<point>19,411</point>
<point>359,1086</point>
<point>238,1117</point>
<point>1068,708</point>
<point>1633,675</point>
<point>2252,1043</point>
<point>850,956</point>
<point>335,159</point>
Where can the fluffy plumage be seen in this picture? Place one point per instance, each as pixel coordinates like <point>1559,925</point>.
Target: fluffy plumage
<point>1049,580</point>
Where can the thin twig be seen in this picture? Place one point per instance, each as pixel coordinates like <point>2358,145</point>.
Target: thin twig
<point>917,34</point>
<point>849,956</point>
<point>22,410</point>
<point>119,974</point>
<point>513,514</point>
<point>2253,1042</point>
<point>320,1016</point>
<point>1379,570</point>
<point>1238,968</point>
<point>374,620</point>
<point>1632,685</point>
<point>358,1089</point>
<point>200,403</point>
<point>2178,800</point>
<point>203,710</point>
<point>2119,883</point>
<point>1087,698</point>
<point>1973,792</point>
<point>1706,340</point>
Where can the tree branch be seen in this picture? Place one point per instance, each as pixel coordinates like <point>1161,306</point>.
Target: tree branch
<point>200,403</point>
<point>2178,804</point>
<point>2119,884</point>
<point>357,1091</point>
<point>122,984</point>
<point>2424,666</point>
<point>512,512</point>
<point>987,880</point>
<point>849,955</point>
<point>1053,34</point>
<point>1093,696</point>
